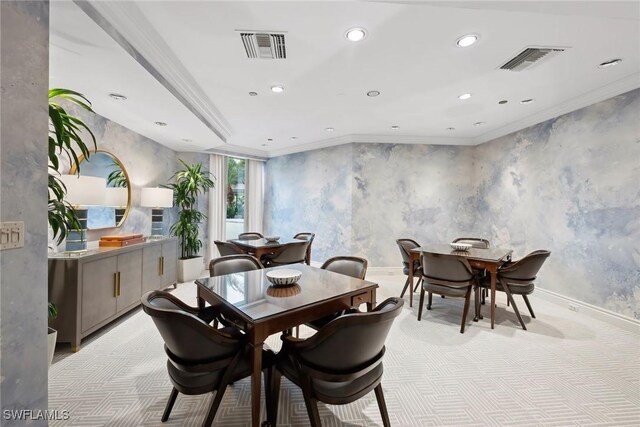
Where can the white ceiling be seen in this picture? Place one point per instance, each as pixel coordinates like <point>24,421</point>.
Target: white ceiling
<point>183,63</point>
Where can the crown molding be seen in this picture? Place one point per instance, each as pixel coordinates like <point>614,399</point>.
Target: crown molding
<point>129,27</point>
<point>371,139</point>
<point>603,93</point>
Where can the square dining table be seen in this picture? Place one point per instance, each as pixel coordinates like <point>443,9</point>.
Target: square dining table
<point>260,247</point>
<point>261,310</point>
<point>489,259</point>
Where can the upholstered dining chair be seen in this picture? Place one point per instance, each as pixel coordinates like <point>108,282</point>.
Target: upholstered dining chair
<point>313,364</point>
<point>201,359</point>
<point>478,243</point>
<point>353,266</point>
<point>447,275</point>
<point>518,278</point>
<point>475,242</point>
<point>227,248</point>
<point>405,245</point>
<point>233,264</point>
<point>309,237</point>
<point>252,235</point>
<point>290,253</point>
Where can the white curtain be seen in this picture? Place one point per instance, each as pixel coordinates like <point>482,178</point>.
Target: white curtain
<point>217,204</point>
<point>254,195</point>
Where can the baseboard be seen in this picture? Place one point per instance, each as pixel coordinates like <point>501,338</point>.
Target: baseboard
<point>624,322</point>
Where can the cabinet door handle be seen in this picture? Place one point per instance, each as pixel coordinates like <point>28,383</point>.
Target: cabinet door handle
<point>159,266</point>
<point>162,264</point>
<point>115,284</point>
<point>118,283</point>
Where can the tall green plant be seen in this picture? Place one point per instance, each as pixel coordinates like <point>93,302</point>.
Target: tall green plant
<point>188,184</point>
<point>65,139</point>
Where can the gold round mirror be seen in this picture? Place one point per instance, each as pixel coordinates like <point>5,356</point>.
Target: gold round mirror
<point>118,200</point>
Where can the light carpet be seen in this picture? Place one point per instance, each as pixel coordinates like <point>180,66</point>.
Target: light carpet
<point>566,369</point>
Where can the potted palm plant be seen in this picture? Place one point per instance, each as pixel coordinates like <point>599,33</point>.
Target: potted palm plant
<point>65,139</point>
<point>188,184</point>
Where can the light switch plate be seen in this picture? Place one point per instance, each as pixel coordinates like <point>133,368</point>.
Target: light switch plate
<point>11,235</point>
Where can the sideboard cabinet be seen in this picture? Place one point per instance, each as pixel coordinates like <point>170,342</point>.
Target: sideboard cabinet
<point>94,288</point>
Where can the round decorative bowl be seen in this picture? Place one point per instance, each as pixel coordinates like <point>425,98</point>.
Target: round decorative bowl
<point>271,238</point>
<point>461,246</point>
<point>284,277</point>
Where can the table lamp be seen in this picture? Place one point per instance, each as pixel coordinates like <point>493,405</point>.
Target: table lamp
<point>118,197</point>
<point>82,191</point>
<point>157,199</point>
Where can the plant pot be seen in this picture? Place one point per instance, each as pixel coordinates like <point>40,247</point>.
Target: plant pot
<point>189,269</point>
<point>52,336</point>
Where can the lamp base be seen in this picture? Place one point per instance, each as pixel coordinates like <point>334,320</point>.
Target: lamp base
<point>157,222</point>
<point>77,239</point>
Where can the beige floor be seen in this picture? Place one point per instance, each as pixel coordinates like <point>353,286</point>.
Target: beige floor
<point>566,369</point>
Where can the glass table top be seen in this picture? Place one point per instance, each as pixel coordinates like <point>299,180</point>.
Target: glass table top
<point>260,243</point>
<point>252,293</point>
<point>491,254</point>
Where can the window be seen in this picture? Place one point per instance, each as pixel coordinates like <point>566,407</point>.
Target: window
<point>235,197</point>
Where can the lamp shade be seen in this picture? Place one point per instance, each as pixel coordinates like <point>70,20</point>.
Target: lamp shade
<point>84,190</point>
<point>117,196</point>
<point>157,197</point>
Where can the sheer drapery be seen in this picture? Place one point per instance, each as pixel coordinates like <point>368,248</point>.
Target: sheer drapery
<point>217,203</point>
<point>254,195</point>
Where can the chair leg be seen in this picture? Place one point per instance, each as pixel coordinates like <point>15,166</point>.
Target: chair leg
<point>515,307</point>
<point>429,301</point>
<point>215,404</point>
<point>417,284</point>
<point>406,285</point>
<point>297,331</point>
<point>273,394</point>
<point>526,301</point>
<point>382,406</point>
<point>169,407</point>
<point>484,295</point>
<point>421,304</point>
<point>312,409</point>
<point>467,299</point>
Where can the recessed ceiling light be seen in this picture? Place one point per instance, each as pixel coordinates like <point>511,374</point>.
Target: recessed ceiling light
<point>254,93</point>
<point>118,97</point>
<point>450,129</point>
<point>187,140</point>
<point>355,34</point>
<point>478,123</point>
<point>161,123</point>
<point>464,96</point>
<point>395,127</point>
<point>504,101</point>
<point>329,129</point>
<point>527,101</point>
<point>467,40</point>
<point>277,89</point>
<point>373,93</point>
<point>610,63</point>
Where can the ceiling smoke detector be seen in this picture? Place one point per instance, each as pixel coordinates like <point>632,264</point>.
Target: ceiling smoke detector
<point>264,45</point>
<point>530,56</point>
<point>160,123</point>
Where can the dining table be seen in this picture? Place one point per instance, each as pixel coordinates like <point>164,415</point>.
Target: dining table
<point>489,259</point>
<point>261,309</point>
<point>262,246</point>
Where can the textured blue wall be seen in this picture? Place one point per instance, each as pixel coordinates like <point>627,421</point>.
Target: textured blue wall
<point>569,185</point>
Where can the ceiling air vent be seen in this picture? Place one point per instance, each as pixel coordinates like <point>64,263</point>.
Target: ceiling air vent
<point>530,56</point>
<point>264,45</point>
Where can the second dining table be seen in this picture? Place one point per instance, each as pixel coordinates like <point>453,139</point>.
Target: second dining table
<point>262,246</point>
<point>261,309</point>
<point>489,259</point>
